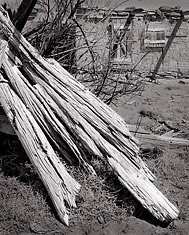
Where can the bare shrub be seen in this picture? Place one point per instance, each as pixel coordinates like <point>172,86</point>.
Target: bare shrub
<point>85,47</point>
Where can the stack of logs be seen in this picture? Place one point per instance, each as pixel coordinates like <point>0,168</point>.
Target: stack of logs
<point>53,113</point>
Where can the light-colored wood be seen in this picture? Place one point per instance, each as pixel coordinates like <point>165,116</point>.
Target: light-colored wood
<point>3,47</point>
<point>47,120</point>
<point>59,184</point>
<point>161,139</point>
<point>146,137</point>
<point>47,102</point>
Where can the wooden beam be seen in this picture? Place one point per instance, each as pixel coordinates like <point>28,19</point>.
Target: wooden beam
<point>167,46</point>
<point>23,13</point>
<point>146,137</point>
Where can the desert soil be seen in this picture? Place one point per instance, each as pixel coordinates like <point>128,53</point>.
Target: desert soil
<point>165,107</point>
<point>165,103</point>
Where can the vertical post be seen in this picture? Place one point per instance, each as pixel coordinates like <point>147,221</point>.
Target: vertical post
<point>167,46</point>
<point>22,14</point>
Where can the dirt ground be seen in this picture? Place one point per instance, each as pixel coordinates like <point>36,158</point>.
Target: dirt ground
<point>164,107</point>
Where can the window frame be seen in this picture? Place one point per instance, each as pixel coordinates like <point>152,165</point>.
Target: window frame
<point>121,51</point>
<point>154,38</point>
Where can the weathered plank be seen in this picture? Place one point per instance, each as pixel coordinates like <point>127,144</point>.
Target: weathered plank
<point>146,137</point>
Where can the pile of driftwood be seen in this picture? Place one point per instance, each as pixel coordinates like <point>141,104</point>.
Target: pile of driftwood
<point>53,113</point>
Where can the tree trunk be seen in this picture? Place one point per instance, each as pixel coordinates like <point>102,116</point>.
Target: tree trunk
<point>46,102</point>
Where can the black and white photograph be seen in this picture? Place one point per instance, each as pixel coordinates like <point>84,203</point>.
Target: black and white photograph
<point>94,117</point>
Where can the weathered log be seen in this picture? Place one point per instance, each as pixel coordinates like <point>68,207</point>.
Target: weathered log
<point>54,98</point>
<point>78,103</point>
<point>93,126</point>
<point>47,120</point>
<point>59,184</point>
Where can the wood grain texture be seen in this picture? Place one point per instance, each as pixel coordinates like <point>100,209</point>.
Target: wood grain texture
<point>49,109</point>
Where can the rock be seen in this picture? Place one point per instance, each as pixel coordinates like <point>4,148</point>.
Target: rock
<point>182,82</point>
<point>100,219</point>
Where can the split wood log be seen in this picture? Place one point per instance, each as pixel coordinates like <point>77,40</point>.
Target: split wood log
<point>47,120</point>
<point>59,184</point>
<point>80,106</point>
<point>69,114</point>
